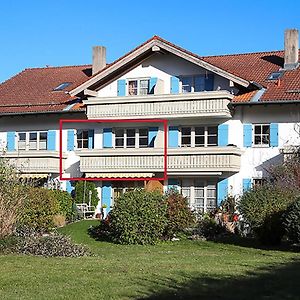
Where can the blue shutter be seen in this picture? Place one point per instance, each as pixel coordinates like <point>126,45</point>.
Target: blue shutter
<point>222,190</point>
<point>91,139</point>
<point>152,135</point>
<point>11,141</point>
<point>247,135</point>
<point>173,137</point>
<point>223,135</point>
<point>70,139</point>
<point>107,138</point>
<point>274,134</point>
<point>51,140</point>
<point>121,87</point>
<point>173,184</point>
<point>152,83</point>
<point>246,184</point>
<point>174,85</point>
<point>209,82</point>
<point>106,194</point>
<point>69,187</point>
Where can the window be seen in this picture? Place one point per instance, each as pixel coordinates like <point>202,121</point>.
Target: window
<point>211,196</point>
<point>21,141</point>
<point>143,138</point>
<point>196,83</point>
<point>32,140</point>
<point>200,136</point>
<point>131,137</point>
<point>201,194</point>
<point>212,136</point>
<point>262,135</point>
<point>138,87</point>
<point>43,141</point>
<point>275,75</point>
<point>186,137</point>
<point>82,139</point>
<point>62,86</point>
<point>119,138</point>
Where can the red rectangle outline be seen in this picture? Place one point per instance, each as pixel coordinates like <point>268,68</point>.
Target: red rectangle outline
<point>164,121</point>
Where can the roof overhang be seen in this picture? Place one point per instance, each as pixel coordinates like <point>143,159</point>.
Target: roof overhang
<point>151,47</point>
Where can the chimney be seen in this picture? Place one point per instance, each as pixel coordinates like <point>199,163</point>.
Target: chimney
<point>291,49</point>
<point>99,58</point>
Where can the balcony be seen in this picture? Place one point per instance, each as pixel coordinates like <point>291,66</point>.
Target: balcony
<point>169,106</point>
<point>35,161</point>
<point>180,161</point>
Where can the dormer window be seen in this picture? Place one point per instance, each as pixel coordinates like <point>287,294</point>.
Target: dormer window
<point>138,87</point>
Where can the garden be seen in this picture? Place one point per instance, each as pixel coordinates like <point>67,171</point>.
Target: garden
<point>151,246</point>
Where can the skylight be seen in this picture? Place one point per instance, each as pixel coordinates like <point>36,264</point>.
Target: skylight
<point>275,75</point>
<point>62,86</point>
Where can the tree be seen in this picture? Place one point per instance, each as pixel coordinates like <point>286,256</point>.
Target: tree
<point>82,191</point>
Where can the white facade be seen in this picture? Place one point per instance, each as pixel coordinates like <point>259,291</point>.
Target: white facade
<point>207,155</point>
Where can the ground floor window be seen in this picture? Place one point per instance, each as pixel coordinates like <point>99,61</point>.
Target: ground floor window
<point>201,193</point>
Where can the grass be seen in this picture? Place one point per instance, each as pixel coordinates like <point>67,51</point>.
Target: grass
<point>173,270</point>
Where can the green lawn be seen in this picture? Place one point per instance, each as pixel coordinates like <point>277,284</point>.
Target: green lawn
<point>173,270</point>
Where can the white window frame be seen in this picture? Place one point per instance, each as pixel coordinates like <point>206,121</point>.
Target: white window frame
<point>82,139</point>
<point>191,189</point>
<point>138,80</point>
<point>193,136</point>
<point>136,137</point>
<point>261,136</point>
<point>27,140</point>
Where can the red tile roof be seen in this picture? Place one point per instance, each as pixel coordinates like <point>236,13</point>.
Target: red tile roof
<point>32,89</point>
<point>257,67</point>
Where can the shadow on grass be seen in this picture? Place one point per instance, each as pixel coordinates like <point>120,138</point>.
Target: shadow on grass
<point>281,282</point>
<point>232,239</point>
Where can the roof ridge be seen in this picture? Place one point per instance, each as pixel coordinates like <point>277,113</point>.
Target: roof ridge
<point>59,67</point>
<point>240,54</point>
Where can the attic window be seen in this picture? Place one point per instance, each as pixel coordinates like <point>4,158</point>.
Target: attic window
<point>62,86</point>
<point>275,75</point>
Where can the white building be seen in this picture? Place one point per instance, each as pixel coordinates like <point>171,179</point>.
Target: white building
<point>227,119</point>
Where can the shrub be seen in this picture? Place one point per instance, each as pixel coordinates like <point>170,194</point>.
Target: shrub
<point>208,227</point>
<point>262,207</point>
<point>291,222</point>
<point>65,203</point>
<point>39,210</point>
<point>48,246</point>
<point>82,189</point>
<point>13,194</point>
<point>138,217</point>
<point>179,214</point>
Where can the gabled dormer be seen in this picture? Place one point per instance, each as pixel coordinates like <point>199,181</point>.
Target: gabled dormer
<point>159,67</point>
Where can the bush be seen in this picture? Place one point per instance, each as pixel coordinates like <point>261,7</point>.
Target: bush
<point>262,207</point>
<point>179,214</point>
<point>39,210</point>
<point>82,189</point>
<point>208,227</point>
<point>48,246</point>
<point>65,203</point>
<point>13,194</point>
<point>138,217</point>
<point>291,222</point>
